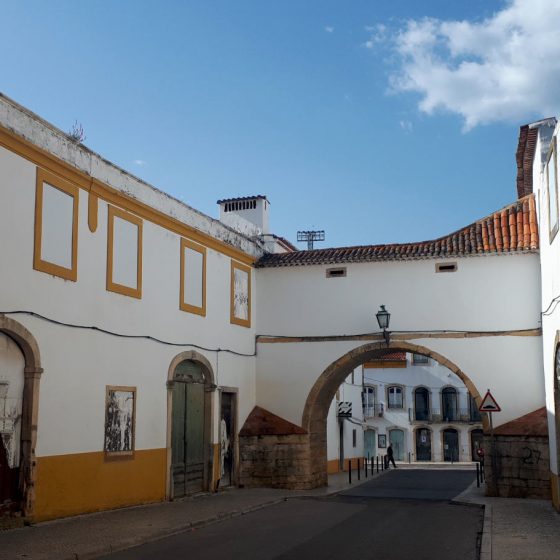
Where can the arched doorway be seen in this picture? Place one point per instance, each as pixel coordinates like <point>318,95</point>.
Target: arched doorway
<point>12,365</point>
<point>19,406</point>
<point>423,444</point>
<point>450,445</point>
<point>396,439</point>
<point>369,444</point>
<point>189,432</point>
<point>321,394</point>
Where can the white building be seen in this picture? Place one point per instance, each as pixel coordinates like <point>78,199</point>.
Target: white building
<point>148,351</point>
<point>422,408</point>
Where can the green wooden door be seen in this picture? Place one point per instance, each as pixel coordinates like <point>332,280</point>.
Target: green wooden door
<point>187,433</point>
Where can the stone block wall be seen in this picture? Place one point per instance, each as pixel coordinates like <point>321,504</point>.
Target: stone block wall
<point>521,465</point>
<point>274,461</point>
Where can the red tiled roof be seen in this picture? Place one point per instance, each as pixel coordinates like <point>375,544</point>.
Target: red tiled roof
<point>512,229</point>
<point>533,424</point>
<point>524,159</point>
<point>263,422</point>
<point>393,356</point>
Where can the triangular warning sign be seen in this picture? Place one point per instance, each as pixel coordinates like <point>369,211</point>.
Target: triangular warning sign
<point>489,403</point>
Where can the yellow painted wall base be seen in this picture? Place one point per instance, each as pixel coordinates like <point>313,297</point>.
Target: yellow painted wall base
<point>555,490</point>
<point>333,466</point>
<point>86,482</point>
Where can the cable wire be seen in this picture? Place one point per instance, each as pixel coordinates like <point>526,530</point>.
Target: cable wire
<point>129,336</point>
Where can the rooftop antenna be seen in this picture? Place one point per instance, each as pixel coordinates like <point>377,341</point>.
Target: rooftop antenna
<point>311,237</point>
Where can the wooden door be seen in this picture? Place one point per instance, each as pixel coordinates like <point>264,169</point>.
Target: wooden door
<point>227,439</point>
<point>423,445</point>
<point>396,437</point>
<point>369,444</point>
<point>187,433</point>
<point>450,445</point>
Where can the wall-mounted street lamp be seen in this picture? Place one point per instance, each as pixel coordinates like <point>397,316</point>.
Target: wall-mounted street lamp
<point>383,319</point>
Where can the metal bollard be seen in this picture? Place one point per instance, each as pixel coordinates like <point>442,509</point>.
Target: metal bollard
<point>365,466</point>
<point>359,470</point>
<point>377,461</point>
<point>477,475</point>
<point>349,471</point>
<point>409,457</point>
<point>372,466</point>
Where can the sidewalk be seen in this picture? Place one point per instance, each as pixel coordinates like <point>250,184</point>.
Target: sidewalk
<point>97,534</point>
<point>516,529</point>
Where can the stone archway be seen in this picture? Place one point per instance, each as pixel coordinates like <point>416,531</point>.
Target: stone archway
<point>323,391</point>
<point>30,412</point>
<point>209,389</point>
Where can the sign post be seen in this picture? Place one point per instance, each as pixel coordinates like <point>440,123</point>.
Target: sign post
<point>490,405</point>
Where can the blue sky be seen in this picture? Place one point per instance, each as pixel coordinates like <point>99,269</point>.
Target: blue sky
<point>377,121</point>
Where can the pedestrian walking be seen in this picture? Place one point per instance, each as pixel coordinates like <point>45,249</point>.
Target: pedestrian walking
<point>390,458</point>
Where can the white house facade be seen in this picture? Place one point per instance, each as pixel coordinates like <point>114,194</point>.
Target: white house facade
<point>148,351</point>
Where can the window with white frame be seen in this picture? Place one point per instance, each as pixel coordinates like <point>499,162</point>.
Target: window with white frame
<point>420,359</point>
<point>368,401</point>
<point>394,397</point>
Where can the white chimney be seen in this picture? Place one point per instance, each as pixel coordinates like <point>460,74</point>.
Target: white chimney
<point>248,214</point>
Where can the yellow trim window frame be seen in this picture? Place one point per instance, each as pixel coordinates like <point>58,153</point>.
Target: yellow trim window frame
<point>240,299</point>
<point>40,263</point>
<point>113,286</point>
<point>198,310</point>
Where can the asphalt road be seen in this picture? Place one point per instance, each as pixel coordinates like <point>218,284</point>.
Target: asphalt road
<point>398,516</point>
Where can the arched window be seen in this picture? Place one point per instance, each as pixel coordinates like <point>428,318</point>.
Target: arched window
<point>421,404</point>
<point>394,397</point>
<point>449,409</point>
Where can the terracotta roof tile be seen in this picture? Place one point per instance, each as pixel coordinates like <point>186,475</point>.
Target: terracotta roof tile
<point>533,424</point>
<point>263,422</point>
<point>512,229</point>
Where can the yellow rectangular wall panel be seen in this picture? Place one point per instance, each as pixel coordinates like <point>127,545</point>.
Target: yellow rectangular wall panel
<point>88,482</point>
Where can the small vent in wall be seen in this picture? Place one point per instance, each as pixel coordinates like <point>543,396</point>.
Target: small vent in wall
<point>336,272</point>
<point>446,267</point>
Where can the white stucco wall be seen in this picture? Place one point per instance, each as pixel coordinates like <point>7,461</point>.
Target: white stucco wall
<point>78,364</point>
<point>550,267</point>
<point>491,293</point>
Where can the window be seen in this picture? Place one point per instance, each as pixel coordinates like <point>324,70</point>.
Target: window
<point>420,359</point>
<point>124,253</point>
<point>394,397</point>
<point>368,401</point>
<point>56,226</point>
<point>421,404</point>
<point>446,267</point>
<point>335,272</point>
<point>449,409</point>
<point>193,278</point>
<point>240,296</point>
<point>474,413</point>
<point>552,187</point>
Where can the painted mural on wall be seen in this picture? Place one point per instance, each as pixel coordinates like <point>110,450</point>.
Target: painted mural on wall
<point>241,294</point>
<point>119,420</point>
<point>10,423</point>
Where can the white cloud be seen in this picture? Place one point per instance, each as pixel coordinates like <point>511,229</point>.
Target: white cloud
<point>329,29</point>
<point>378,35</point>
<point>503,68</point>
<point>406,126</point>
<point>139,162</point>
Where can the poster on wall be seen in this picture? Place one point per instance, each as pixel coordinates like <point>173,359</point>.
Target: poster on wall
<point>381,441</point>
<point>120,407</point>
<point>240,294</point>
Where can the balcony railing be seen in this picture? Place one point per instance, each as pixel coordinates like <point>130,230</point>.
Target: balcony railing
<point>373,410</point>
<point>465,415</point>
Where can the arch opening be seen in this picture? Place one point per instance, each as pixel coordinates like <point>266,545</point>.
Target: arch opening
<point>26,414</point>
<point>319,399</point>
